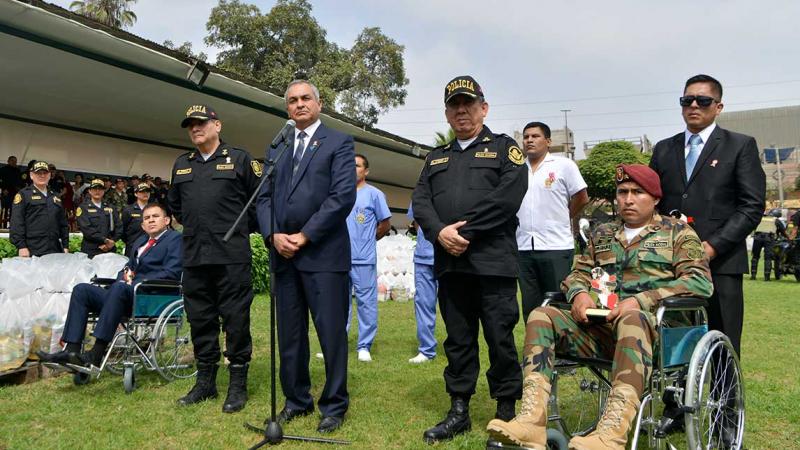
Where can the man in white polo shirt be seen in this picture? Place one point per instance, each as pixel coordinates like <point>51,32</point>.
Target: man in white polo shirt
<point>556,195</point>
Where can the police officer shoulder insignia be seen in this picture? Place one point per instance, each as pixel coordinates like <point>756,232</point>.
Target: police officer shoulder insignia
<point>486,139</point>
<point>224,152</point>
<point>78,211</point>
<point>257,169</point>
<point>439,161</point>
<point>17,199</point>
<point>183,171</point>
<point>515,155</point>
<point>191,155</point>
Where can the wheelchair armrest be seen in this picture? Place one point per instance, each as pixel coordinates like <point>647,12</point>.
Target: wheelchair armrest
<point>684,302</point>
<point>157,284</point>
<point>552,297</point>
<point>103,281</point>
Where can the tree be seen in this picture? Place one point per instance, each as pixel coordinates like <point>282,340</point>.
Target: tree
<point>186,49</point>
<point>114,13</point>
<point>599,169</point>
<point>289,43</point>
<point>444,138</point>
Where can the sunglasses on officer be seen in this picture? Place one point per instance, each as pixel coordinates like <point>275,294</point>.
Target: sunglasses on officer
<point>703,101</point>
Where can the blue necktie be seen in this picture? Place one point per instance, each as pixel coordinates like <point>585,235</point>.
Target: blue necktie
<point>298,151</point>
<point>694,153</point>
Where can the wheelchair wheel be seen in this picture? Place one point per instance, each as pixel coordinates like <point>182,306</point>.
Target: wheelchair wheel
<point>172,351</point>
<point>715,392</point>
<point>129,379</point>
<point>580,399</point>
<point>80,378</point>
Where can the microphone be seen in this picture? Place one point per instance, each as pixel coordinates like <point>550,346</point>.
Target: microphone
<point>284,133</point>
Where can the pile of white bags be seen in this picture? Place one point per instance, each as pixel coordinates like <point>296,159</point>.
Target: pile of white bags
<point>396,268</point>
<point>34,299</point>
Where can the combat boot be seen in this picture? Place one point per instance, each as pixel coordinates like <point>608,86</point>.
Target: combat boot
<point>528,429</point>
<point>612,429</point>
<point>205,386</point>
<point>237,388</point>
<point>456,422</point>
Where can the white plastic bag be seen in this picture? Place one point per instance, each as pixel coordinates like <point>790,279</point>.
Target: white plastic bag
<point>61,271</point>
<point>19,276</point>
<point>108,265</point>
<point>13,350</point>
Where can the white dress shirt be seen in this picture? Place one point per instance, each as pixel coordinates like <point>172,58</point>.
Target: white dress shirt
<point>310,130</point>
<point>704,135</point>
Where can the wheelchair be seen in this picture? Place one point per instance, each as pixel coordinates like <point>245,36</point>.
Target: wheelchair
<point>155,338</point>
<point>695,371</point>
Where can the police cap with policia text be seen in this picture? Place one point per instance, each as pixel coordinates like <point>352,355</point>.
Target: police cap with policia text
<point>40,166</point>
<point>199,112</point>
<point>463,85</point>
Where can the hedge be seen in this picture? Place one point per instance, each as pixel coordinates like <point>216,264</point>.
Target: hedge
<point>260,269</point>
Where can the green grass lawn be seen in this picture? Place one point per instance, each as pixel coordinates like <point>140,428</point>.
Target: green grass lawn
<point>392,402</point>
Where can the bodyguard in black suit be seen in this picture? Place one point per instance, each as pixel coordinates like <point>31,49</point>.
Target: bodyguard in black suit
<point>315,189</point>
<point>714,177</point>
<point>157,257</point>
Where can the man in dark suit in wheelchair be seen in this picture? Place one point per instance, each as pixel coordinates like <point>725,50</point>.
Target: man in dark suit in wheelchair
<point>157,257</point>
<point>640,259</point>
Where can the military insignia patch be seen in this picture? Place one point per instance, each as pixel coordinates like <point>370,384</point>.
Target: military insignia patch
<point>694,249</point>
<point>78,211</point>
<point>17,199</point>
<point>183,171</point>
<point>257,169</point>
<point>439,161</point>
<point>515,155</point>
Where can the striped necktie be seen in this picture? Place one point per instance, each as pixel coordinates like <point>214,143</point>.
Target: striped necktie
<point>694,153</point>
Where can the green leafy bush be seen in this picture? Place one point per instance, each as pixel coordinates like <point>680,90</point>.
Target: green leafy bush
<point>260,268</point>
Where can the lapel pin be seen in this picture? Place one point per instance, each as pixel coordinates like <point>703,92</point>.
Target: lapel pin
<point>714,163</point>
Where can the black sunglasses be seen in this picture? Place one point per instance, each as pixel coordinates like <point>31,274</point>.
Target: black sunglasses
<point>702,100</point>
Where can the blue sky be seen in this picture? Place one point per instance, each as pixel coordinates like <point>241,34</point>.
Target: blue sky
<point>618,65</point>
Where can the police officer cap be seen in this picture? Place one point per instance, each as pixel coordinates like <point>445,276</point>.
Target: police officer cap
<point>142,187</point>
<point>200,112</point>
<point>642,175</point>
<point>97,183</point>
<point>463,85</point>
<point>40,166</point>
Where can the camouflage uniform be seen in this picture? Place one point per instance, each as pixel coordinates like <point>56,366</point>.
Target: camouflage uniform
<point>665,260</point>
<point>117,199</point>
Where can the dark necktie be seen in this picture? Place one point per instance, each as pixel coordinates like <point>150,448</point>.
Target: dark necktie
<point>298,151</point>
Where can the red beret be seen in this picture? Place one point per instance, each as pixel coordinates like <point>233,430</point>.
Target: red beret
<point>642,175</point>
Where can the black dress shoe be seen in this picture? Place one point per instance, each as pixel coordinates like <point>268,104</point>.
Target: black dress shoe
<point>288,414</point>
<point>62,357</point>
<point>456,422</point>
<point>329,424</point>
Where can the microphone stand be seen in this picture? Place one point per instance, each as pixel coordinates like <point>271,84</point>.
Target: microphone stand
<point>272,431</point>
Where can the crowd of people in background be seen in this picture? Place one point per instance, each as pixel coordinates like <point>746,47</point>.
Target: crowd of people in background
<point>72,189</point>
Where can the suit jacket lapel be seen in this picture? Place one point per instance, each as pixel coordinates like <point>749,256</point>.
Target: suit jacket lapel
<point>709,148</point>
<point>678,147</point>
<point>312,147</point>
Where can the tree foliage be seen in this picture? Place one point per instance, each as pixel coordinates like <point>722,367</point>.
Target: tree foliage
<point>444,138</point>
<point>186,49</point>
<point>114,13</point>
<point>288,43</point>
<point>599,169</point>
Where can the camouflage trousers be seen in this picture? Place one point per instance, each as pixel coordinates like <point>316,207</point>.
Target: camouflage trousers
<point>628,341</point>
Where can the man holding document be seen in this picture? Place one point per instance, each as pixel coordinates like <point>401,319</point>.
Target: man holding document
<point>630,265</point>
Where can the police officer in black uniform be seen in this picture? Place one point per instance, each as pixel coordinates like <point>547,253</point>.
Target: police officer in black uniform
<point>466,200</point>
<point>132,217</point>
<point>210,186</point>
<point>38,221</point>
<point>98,221</point>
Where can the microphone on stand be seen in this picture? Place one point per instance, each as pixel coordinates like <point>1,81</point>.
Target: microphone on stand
<point>284,133</point>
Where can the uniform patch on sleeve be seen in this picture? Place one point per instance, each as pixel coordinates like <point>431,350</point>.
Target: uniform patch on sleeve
<point>694,249</point>
<point>439,161</point>
<point>257,169</point>
<point>183,171</point>
<point>515,155</point>
<point>17,199</point>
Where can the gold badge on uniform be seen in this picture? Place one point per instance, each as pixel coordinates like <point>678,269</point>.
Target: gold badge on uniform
<point>257,169</point>
<point>360,216</point>
<point>17,199</point>
<point>78,211</point>
<point>620,174</point>
<point>183,171</point>
<point>515,155</point>
<point>439,161</point>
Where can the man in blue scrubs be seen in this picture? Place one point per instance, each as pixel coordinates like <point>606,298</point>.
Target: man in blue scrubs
<point>425,297</point>
<point>367,222</point>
